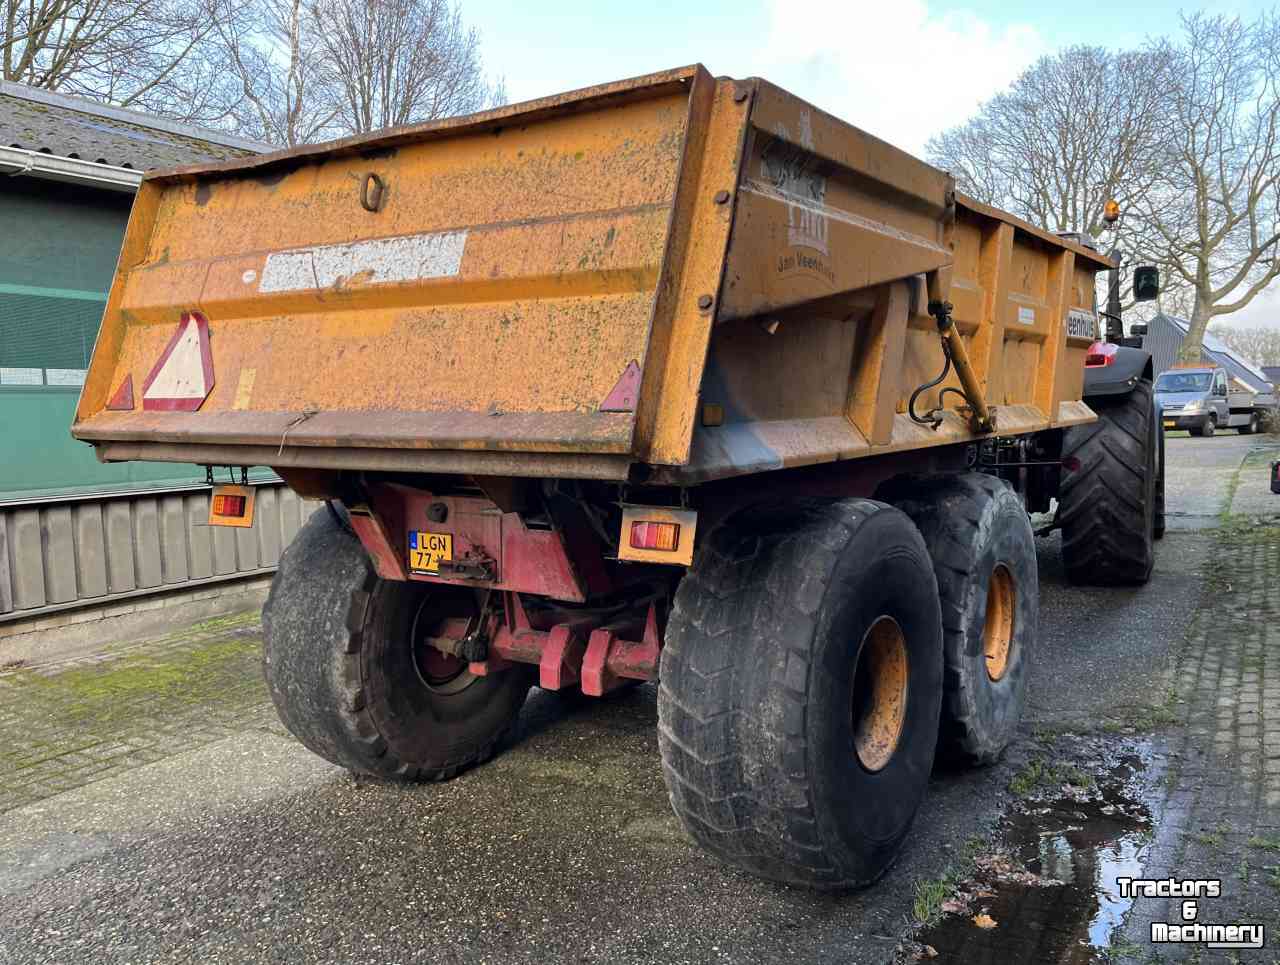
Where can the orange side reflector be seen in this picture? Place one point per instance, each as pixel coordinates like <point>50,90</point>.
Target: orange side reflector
<point>231,506</point>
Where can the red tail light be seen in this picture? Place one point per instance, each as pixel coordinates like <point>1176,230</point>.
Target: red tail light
<point>1099,354</point>
<point>231,506</point>
<point>655,536</point>
<point>228,505</point>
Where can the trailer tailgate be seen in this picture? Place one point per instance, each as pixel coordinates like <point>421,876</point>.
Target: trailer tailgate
<point>481,285</point>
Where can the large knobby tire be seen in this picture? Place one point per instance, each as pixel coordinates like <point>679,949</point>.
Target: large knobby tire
<point>1107,506</point>
<point>347,679</point>
<point>984,556</point>
<point>800,687</point>
<point>1158,524</point>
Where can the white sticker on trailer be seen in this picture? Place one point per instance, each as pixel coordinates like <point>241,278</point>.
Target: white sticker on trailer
<point>1082,324</point>
<point>1027,316</point>
<point>380,261</point>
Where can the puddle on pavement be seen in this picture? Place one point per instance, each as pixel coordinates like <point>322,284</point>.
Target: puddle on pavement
<point>1050,895</point>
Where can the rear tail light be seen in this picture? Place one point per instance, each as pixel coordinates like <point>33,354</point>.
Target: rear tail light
<point>1099,354</point>
<point>231,506</point>
<point>647,535</point>
<point>657,534</point>
<point>228,505</point>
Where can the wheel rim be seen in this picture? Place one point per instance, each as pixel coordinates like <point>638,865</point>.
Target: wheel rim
<point>997,632</point>
<point>438,671</point>
<point>879,693</point>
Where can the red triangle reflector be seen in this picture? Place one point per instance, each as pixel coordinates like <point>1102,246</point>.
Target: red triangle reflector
<point>123,399</point>
<point>183,376</point>
<point>623,396</point>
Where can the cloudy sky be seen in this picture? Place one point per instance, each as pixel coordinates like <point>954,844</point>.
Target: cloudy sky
<point>901,69</point>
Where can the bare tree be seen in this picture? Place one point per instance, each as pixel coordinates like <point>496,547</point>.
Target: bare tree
<point>1259,345</point>
<point>152,55</point>
<point>1215,199</point>
<point>1074,130</point>
<point>308,70</point>
<point>277,58</point>
<point>397,61</point>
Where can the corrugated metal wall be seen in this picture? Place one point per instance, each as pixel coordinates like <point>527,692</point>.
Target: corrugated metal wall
<point>1162,341</point>
<point>91,549</point>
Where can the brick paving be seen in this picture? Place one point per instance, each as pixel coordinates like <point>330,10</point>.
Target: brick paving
<point>1220,816</point>
<point>69,724</point>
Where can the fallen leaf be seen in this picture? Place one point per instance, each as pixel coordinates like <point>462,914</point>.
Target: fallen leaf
<point>984,921</point>
<point>953,907</point>
<point>930,951</point>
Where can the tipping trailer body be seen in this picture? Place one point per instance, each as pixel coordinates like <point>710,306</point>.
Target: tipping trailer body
<point>707,277</point>
<point>678,373</point>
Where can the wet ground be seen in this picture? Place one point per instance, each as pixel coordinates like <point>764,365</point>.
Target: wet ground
<point>157,813</point>
<point>1048,890</point>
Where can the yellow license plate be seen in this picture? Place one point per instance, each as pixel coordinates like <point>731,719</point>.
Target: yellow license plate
<point>428,550</point>
<point>1169,423</point>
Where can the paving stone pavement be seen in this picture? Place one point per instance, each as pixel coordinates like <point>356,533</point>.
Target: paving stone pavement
<point>1220,817</point>
<point>73,723</point>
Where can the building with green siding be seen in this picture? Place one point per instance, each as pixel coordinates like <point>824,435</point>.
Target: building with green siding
<point>74,531</point>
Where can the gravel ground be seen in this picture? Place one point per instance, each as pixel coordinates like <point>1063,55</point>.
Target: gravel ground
<point>239,845</point>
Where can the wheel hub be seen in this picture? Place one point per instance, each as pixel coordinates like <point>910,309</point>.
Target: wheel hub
<point>437,671</point>
<point>997,632</point>
<point>879,693</point>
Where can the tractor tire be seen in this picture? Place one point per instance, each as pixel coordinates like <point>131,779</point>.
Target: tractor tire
<point>347,679</point>
<point>1107,507</point>
<point>800,687</point>
<point>1158,524</point>
<point>1252,426</point>
<point>984,557</point>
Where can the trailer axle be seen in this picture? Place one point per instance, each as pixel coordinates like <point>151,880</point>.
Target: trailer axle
<point>598,658</point>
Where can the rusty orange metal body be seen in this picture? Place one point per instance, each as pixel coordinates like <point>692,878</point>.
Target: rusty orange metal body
<point>569,287</point>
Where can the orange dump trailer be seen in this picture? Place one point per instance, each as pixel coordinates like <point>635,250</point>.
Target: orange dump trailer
<point>677,377</point>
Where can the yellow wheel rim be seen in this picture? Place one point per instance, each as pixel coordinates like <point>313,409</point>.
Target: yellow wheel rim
<point>997,632</point>
<point>879,693</point>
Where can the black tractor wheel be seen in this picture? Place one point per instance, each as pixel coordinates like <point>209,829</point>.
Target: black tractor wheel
<point>1107,505</point>
<point>800,689</point>
<point>984,558</point>
<point>1158,524</point>
<point>351,677</point>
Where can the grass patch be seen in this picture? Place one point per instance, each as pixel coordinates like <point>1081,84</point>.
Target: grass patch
<point>932,893</point>
<point>1224,514</point>
<point>101,697</point>
<point>1039,774</point>
<point>1145,718</point>
<point>1213,838</point>
<point>1121,949</point>
<point>927,907</point>
<point>1267,842</point>
<point>1045,734</point>
<point>233,621</point>
<point>1272,876</point>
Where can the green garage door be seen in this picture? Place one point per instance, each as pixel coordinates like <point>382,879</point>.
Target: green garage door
<point>56,261</point>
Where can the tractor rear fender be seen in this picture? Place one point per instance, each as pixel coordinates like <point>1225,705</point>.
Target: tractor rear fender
<point>1115,369</point>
